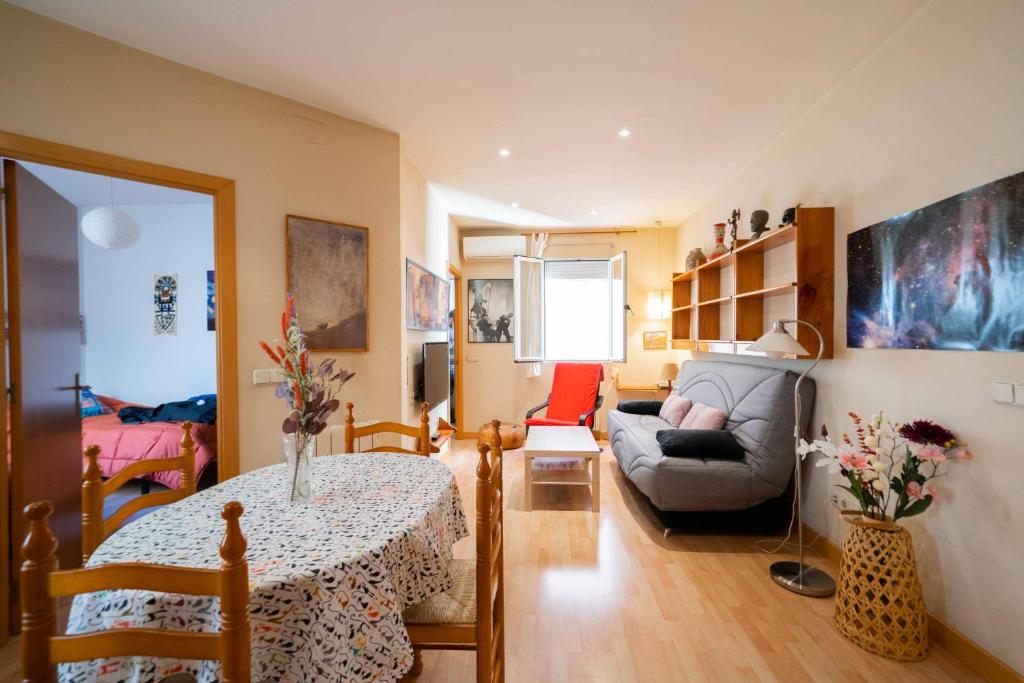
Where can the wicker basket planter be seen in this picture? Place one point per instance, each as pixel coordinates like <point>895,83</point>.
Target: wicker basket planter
<point>879,604</point>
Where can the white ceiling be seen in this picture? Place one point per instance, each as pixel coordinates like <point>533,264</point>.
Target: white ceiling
<point>704,85</point>
<point>89,189</point>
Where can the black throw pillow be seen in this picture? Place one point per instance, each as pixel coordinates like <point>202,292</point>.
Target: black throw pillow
<point>716,444</point>
<point>640,407</point>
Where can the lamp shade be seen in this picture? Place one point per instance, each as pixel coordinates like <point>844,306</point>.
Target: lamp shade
<point>778,342</point>
<point>668,371</point>
<point>659,305</point>
<point>110,228</point>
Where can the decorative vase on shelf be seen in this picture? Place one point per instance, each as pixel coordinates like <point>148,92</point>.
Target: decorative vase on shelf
<point>695,258</point>
<point>879,603</point>
<point>298,457</point>
<point>719,249</point>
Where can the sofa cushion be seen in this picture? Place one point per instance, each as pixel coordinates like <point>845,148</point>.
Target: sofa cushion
<point>674,409</point>
<point>701,416</point>
<point>699,443</point>
<point>639,407</point>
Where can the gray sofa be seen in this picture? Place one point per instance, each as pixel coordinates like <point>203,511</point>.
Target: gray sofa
<point>758,401</point>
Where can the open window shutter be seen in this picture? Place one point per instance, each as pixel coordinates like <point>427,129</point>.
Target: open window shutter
<point>617,301</point>
<point>528,286</point>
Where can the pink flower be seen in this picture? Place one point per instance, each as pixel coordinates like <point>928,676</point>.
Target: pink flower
<point>933,492</point>
<point>850,459</point>
<point>932,453</point>
<point>914,491</point>
<point>961,453</point>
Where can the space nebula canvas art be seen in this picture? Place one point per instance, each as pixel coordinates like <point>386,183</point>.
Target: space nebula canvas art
<point>948,276</point>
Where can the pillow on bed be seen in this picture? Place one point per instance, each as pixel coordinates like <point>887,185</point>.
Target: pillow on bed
<point>91,405</point>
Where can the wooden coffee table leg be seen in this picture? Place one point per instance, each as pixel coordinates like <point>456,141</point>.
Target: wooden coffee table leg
<point>528,482</point>
<point>595,477</point>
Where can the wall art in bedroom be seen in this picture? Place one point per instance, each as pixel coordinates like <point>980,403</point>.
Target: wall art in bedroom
<point>948,276</point>
<point>426,299</point>
<point>211,303</point>
<point>165,304</point>
<point>328,274</point>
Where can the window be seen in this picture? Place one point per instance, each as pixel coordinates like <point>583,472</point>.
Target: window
<point>570,310</point>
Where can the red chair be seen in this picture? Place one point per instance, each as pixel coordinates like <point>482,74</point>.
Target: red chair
<point>573,399</point>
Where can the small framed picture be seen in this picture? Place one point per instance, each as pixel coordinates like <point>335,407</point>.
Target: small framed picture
<point>655,340</point>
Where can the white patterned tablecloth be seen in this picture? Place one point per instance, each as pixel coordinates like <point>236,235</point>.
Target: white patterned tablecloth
<point>327,581</point>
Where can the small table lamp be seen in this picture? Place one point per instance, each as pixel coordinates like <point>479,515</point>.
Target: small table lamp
<point>668,374</point>
<point>796,576</point>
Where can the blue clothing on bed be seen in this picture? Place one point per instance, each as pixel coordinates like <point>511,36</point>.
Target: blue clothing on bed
<point>202,411</point>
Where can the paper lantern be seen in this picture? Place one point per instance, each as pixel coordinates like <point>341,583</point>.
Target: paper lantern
<point>110,228</point>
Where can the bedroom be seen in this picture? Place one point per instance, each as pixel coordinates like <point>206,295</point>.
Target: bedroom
<point>141,260</point>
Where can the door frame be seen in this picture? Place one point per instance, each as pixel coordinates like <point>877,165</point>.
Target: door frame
<point>456,275</point>
<point>222,190</point>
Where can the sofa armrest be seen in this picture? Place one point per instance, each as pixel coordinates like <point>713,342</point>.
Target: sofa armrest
<point>640,407</point>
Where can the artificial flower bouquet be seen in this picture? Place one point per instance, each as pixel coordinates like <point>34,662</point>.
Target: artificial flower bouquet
<point>888,466</point>
<point>310,389</point>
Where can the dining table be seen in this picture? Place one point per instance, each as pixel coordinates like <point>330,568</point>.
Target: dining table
<point>328,580</point>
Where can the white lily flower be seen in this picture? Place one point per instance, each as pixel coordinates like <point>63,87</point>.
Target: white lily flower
<point>869,475</point>
<point>871,441</point>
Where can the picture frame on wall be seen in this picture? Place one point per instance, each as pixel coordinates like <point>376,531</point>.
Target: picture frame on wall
<point>490,317</point>
<point>655,340</point>
<point>426,299</point>
<point>328,271</point>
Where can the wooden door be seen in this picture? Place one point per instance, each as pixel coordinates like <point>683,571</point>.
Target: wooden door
<point>45,357</point>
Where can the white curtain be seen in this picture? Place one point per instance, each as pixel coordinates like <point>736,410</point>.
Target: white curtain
<point>538,243</point>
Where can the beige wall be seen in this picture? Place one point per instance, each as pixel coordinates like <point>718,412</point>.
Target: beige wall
<point>71,87</point>
<point>498,387</point>
<point>934,111</point>
<point>425,235</point>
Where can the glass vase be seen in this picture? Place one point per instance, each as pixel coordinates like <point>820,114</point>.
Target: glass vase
<point>298,457</point>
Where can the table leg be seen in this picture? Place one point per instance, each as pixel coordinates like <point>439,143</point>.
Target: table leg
<point>595,477</point>
<point>528,482</point>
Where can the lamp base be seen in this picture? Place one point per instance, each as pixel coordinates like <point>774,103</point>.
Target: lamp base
<point>810,581</point>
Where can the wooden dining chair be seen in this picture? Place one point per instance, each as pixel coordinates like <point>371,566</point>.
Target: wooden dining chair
<point>471,616</point>
<point>95,529</point>
<point>421,433</point>
<point>41,585</point>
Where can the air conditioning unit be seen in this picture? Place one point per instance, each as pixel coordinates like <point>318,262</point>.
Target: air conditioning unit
<point>493,248</point>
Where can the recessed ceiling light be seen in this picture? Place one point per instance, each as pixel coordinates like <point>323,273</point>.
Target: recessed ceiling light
<point>515,205</point>
<point>593,212</point>
<point>625,133</point>
<point>503,152</point>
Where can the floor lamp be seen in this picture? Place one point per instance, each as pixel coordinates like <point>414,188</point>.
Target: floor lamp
<point>796,576</point>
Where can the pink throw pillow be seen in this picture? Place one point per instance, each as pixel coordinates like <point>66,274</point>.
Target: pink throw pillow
<point>703,417</point>
<point>674,409</point>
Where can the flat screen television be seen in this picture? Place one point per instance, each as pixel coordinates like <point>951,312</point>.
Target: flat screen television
<point>435,383</point>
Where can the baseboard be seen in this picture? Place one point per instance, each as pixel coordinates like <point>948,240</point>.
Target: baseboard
<point>975,657</point>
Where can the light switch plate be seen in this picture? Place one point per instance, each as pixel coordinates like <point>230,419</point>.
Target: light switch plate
<point>1002,392</point>
<point>260,376</point>
<point>1019,394</point>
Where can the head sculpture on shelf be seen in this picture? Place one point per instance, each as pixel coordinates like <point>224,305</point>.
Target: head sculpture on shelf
<point>758,223</point>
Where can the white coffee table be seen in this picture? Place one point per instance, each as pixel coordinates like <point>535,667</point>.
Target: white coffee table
<point>564,454</point>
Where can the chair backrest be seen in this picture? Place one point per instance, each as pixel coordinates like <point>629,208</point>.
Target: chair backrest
<point>421,433</point>
<point>490,561</point>
<point>574,391</point>
<point>42,585</point>
<point>95,529</point>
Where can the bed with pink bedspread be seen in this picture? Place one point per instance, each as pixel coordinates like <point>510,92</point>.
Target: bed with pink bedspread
<point>122,444</point>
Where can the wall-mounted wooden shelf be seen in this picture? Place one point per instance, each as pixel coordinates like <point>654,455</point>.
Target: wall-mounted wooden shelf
<point>732,298</point>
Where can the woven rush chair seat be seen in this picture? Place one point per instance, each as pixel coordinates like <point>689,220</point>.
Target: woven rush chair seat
<point>455,606</point>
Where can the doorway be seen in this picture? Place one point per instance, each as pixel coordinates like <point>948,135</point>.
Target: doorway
<point>19,150</point>
<point>455,344</point>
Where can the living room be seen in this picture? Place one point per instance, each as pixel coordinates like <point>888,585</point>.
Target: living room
<point>787,139</point>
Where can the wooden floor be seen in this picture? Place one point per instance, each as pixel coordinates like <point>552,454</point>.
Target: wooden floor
<point>593,598</point>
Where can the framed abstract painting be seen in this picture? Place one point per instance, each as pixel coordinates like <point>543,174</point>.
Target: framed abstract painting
<point>949,276</point>
<point>426,299</point>
<point>328,274</point>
